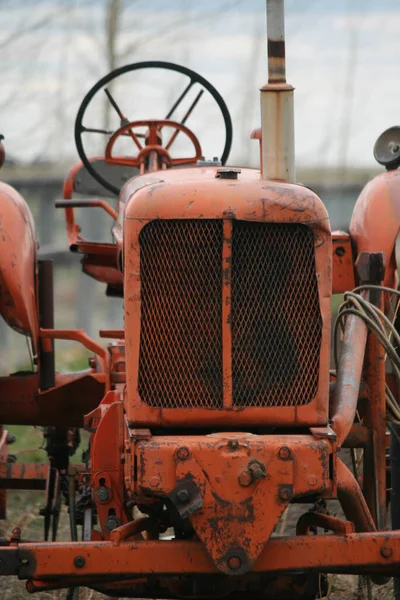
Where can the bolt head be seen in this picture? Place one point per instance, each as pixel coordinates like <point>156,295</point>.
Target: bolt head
<point>103,494</point>
<point>233,444</point>
<point>245,478</point>
<point>312,480</point>
<point>112,523</point>
<point>183,453</point>
<point>79,562</point>
<point>183,496</point>
<point>284,453</point>
<point>234,563</point>
<point>257,470</point>
<point>285,493</point>
<point>386,551</point>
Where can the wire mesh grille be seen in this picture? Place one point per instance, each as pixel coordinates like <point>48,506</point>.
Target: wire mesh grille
<point>180,362</point>
<point>276,321</point>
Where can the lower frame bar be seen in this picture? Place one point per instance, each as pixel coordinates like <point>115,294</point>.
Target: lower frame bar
<point>352,553</point>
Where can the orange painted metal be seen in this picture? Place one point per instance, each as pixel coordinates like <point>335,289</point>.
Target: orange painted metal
<point>235,518</point>
<point>153,146</point>
<point>18,301</point>
<point>343,278</point>
<point>349,553</point>
<point>23,476</point>
<point>74,395</point>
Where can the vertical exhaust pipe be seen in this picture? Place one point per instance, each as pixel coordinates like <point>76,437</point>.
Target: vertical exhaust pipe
<point>277,107</point>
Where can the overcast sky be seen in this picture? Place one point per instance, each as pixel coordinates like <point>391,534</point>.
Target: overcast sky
<point>343,57</point>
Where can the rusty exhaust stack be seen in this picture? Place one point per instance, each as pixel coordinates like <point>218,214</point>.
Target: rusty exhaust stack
<point>277,109</point>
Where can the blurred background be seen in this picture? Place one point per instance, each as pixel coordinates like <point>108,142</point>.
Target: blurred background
<point>342,57</point>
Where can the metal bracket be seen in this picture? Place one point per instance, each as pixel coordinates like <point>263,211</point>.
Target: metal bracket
<point>186,498</point>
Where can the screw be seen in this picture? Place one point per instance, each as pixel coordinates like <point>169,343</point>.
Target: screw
<point>386,551</point>
<point>245,478</point>
<point>92,362</point>
<point>257,470</point>
<point>103,494</point>
<point>183,496</point>
<point>122,459</point>
<point>233,444</point>
<point>112,523</point>
<point>284,453</point>
<point>182,453</point>
<point>79,562</point>
<point>285,492</point>
<point>234,563</point>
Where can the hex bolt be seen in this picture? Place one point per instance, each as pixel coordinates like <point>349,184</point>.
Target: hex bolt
<point>233,444</point>
<point>92,362</point>
<point>257,471</point>
<point>103,494</point>
<point>285,492</point>
<point>284,453</point>
<point>245,478</point>
<point>386,551</point>
<point>112,523</point>
<point>79,562</point>
<point>234,563</point>
<point>182,453</point>
<point>183,496</point>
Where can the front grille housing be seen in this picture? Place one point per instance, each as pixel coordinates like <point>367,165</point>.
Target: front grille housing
<point>274,322</point>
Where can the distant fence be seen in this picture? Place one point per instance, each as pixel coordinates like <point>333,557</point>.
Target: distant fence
<point>79,300</point>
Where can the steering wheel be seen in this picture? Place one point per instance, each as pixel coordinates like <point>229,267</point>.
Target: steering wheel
<point>153,142</point>
<point>127,126</point>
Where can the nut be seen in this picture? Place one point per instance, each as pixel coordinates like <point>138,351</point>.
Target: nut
<point>284,453</point>
<point>79,562</point>
<point>183,453</point>
<point>257,470</point>
<point>103,494</point>
<point>233,444</point>
<point>386,551</point>
<point>285,492</point>
<point>112,523</point>
<point>183,496</point>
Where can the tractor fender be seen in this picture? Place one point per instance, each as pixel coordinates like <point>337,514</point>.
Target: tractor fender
<point>18,248</point>
<point>375,223</point>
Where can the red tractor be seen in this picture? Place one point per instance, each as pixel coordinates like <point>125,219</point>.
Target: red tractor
<point>219,406</point>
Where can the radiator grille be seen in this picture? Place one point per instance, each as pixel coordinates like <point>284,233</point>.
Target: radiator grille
<point>180,364</point>
<point>276,321</point>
